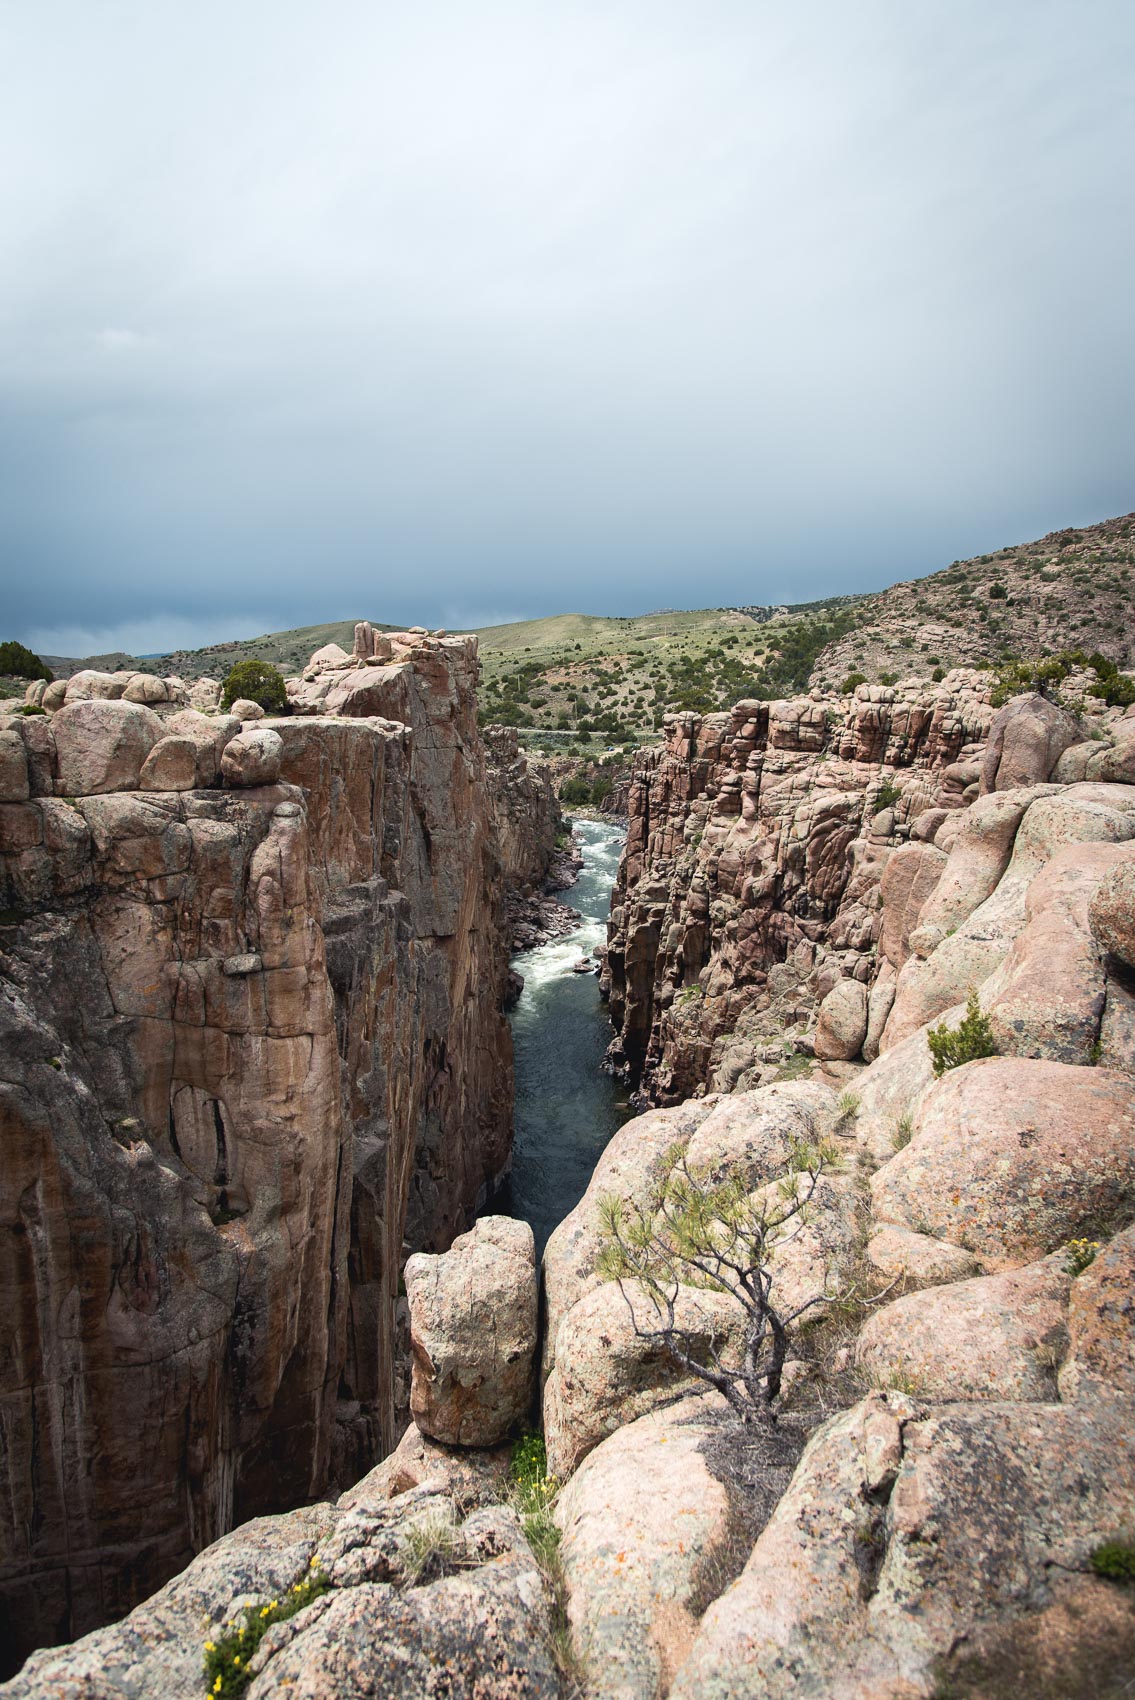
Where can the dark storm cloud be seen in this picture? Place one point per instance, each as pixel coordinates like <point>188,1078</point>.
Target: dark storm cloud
<point>455,313</point>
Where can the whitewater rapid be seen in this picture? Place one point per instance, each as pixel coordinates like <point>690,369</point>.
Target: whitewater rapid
<point>566,1107</point>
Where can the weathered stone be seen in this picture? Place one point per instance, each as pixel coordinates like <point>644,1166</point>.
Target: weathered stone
<point>1026,739</point>
<point>170,766</point>
<point>1112,911</point>
<point>146,688</point>
<point>472,1477</point>
<point>248,1153</point>
<point>14,783</point>
<point>1101,1325</point>
<point>895,1539</point>
<point>100,746</point>
<point>1012,1157</point>
<point>643,1520</point>
<point>900,1251</point>
<point>631,1164</point>
<point>908,879</point>
<point>1047,997</point>
<point>473,1333</point>
<point>245,709</point>
<point>606,1374</point>
<point>252,758</point>
<point>842,1025</point>
<point>156,1653</point>
<point>994,1337</point>
<point>388,1624</point>
<point>91,685</point>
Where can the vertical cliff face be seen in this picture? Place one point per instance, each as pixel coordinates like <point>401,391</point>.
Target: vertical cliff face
<point>750,882</point>
<point>251,1049</point>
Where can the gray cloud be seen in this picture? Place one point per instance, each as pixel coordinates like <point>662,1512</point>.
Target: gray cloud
<point>450,309</point>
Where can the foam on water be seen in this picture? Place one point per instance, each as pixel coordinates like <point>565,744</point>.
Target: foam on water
<point>566,1108</point>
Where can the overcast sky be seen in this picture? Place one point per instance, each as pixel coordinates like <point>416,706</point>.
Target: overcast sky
<point>458,312</point>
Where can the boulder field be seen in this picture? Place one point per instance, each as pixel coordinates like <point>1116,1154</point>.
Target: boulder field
<point>952,1445</point>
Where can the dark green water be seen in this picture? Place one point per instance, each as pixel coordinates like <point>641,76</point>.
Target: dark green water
<point>566,1108</point>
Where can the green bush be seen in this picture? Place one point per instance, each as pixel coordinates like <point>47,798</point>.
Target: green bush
<point>1118,691</point>
<point>889,794</point>
<point>575,790</point>
<point>973,1038</point>
<point>21,663</point>
<point>259,682</point>
<point>851,681</point>
<point>1115,1561</point>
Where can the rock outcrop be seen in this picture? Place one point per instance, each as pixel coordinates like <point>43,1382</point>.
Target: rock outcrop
<point>421,1595</point>
<point>252,1052</point>
<point>473,1334</point>
<point>767,906</point>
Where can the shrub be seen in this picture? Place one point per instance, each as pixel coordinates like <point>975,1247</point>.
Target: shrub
<point>227,1660</point>
<point>258,681</point>
<point>851,681</point>
<point>938,674</point>
<point>972,1038</point>
<point>1115,1561</point>
<point>21,663</point>
<point>888,795</point>
<point>998,593</point>
<point>575,790</point>
<point>1117,691</point>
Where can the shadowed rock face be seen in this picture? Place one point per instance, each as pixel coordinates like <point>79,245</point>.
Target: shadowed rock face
<point>250,1044</point>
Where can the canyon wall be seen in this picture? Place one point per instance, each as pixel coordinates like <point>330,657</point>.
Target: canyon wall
<point>755,846</point>
<point>252,1052</point>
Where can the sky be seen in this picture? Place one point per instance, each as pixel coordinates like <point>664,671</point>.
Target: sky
<point>453,313</point>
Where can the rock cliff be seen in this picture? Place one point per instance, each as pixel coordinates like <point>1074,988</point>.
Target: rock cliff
<point>252,1053</point>
<point>777,858</point>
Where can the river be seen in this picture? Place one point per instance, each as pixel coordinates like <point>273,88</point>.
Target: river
<point>566,1108</point>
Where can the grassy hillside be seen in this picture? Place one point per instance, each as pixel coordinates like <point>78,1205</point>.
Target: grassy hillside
<point>583,678</point>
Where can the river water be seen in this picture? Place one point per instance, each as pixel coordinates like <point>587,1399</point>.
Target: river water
<point>566,1108</point>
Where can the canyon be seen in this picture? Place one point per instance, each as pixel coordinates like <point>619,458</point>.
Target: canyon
<point>258,1056</point>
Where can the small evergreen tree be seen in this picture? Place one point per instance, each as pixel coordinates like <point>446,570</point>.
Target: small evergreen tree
<point>21,663</point>
<point>972,1038</point>
<point>258,681</point>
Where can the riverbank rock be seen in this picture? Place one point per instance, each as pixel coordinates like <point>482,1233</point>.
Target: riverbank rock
<point>473,1333</point>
